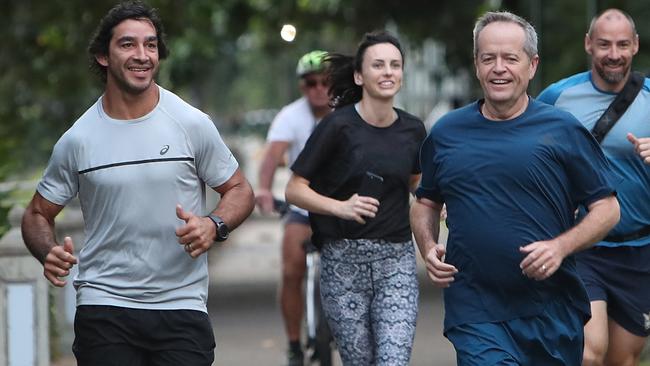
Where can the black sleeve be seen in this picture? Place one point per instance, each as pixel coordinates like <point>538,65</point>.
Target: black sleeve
<point>318,147</point>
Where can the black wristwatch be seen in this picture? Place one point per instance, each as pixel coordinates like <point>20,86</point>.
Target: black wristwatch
<point>222,228</point>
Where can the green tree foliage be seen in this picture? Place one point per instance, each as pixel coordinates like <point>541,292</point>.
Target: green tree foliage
<point>41,87</point>
<point>562,26</point>
<point>227,56</point>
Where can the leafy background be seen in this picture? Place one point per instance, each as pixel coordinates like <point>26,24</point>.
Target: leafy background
<point>227,57</point>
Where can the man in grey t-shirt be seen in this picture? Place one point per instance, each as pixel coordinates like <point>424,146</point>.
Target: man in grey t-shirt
<point>138,160</point>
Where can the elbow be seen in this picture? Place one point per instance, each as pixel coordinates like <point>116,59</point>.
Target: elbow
<point>250,199</point>
<point>290,192</point>
<point>615,210</point>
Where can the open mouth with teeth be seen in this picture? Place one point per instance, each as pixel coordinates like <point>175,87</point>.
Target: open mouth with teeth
<point>500,81</point>
<point>139,69</point>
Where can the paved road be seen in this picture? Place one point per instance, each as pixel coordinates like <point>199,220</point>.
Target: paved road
<point>243,304</point>
<point>244,276</point>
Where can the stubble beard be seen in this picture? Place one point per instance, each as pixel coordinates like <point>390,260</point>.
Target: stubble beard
<point>611,77</point>
<point>131,88</point>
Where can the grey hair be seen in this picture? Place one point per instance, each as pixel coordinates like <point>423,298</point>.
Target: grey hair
<point>627,16</point>
<point>530,43</point>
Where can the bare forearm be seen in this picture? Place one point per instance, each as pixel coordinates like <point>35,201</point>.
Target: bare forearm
<point>267,172</point>
<point>272,159</point>
<point>300,194</point>
<point>602,217</point>
<point>425,223</point>
<point>38,234</point>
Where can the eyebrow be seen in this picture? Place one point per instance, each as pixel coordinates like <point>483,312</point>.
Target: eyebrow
<point>504,53</point>
<point>131,39</point>
<point>383,60</point>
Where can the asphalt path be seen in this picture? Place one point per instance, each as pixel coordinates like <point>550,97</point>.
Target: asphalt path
<point>244,309</point>
<point>243,305</point>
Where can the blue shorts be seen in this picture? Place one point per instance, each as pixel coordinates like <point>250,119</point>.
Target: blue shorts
<point>554,337</point>
<point>294,217</point>
<point>621,277</point>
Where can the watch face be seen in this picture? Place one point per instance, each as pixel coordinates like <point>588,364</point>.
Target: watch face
<point>222,228</point>
<point>222,231</point>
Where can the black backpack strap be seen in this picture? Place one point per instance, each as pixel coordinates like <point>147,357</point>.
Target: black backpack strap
<point>618,107</point>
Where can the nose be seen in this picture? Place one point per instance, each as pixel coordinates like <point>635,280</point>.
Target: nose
<point>499,65</point>
<point>614,53</point>
<point>140,53</point>
<point>388,70</point>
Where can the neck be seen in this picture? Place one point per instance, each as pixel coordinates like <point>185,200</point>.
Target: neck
<point>609,87</point>
<point>119,104</point>
<point>504,112</point>
<point>377,113</point>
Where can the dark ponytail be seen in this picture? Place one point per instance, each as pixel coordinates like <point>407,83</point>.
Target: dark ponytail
<point>340,74</point>
<point>341,68</point>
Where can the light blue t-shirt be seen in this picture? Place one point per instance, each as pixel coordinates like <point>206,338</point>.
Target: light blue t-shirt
<point>579,96</point>
<point>129,176</point>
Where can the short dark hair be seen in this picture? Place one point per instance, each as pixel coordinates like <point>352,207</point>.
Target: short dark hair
<point>341,68</point>
<point>101,39</point>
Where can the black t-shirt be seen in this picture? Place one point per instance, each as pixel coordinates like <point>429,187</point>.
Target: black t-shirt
<point>335,159</point>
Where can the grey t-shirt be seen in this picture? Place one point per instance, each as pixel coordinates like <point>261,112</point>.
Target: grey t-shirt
<point>129,176</point>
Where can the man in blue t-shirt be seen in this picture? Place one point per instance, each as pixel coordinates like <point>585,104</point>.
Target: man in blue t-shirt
<point>511,171</point>
<point>616,271</point>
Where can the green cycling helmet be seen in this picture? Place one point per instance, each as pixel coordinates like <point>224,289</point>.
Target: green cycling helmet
<point>311,62</point>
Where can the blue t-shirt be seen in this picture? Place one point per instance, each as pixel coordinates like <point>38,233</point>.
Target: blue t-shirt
<point>579,96</point>
<point>507,184</point>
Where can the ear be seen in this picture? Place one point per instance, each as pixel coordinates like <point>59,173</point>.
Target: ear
<point>358,79</point>
<point>102,60</point>
<point>635,44</point>
<point>587,44</point>
<point>534,62</point>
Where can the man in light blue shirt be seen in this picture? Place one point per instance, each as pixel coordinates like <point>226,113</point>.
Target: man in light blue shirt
<point>616,271</point>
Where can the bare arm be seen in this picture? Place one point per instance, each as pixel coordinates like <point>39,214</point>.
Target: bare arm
<point>38,234</point>
<point>355,208</point>
<point>272,159</point>
<point>543,258</point>
<point>236,204</point>
<point>237,200</point>
<point>425,223</point>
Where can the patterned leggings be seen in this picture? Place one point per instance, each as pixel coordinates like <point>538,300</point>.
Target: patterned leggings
<point>369,293</point>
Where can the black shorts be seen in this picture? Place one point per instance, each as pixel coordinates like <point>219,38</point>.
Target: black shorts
<point>621,277</point>
<point>112,336</point>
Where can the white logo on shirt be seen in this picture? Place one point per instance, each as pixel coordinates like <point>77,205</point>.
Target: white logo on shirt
<point>646,320</point>
<point>164,150</point>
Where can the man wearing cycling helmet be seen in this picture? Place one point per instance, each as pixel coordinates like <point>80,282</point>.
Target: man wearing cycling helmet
<point>288,133</point>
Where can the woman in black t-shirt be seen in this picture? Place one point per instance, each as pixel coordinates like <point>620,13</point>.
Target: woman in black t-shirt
<point>354,176</point>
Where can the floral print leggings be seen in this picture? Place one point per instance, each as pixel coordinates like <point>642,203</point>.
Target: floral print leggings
<point>369,292</point>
